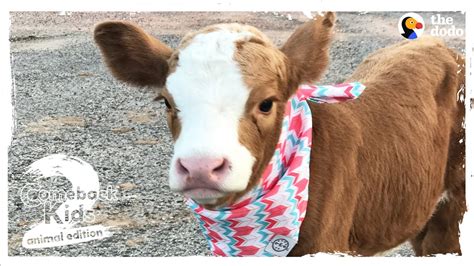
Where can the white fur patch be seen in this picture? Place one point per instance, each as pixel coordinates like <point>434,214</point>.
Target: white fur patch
<point>443,198</point>
<point>210,94</point>
<point>394,252</point>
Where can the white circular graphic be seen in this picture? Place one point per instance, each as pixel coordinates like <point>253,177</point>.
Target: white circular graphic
<point>280,245</point>
<point>411,26</point>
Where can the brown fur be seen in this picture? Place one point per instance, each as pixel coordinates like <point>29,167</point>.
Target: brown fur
<point>387,156</point>
<point>131,54</point>
<point>378,164</point>
<point>308,49</point>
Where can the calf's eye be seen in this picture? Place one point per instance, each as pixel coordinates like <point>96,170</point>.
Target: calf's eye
<point>266,106</point>
<point>168,106</point>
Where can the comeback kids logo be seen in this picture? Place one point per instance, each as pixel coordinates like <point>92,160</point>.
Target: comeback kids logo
<point>65,214</point>
<point>411,26</point>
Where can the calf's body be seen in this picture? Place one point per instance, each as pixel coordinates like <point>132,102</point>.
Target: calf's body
<point>381,164</point>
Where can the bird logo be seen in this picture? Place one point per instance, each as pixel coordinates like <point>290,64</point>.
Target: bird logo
<point>411,26</point>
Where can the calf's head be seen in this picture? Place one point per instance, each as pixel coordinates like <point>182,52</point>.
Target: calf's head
<point>225,88</point>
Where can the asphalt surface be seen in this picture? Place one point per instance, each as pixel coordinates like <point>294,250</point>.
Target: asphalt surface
<point>65,101</point>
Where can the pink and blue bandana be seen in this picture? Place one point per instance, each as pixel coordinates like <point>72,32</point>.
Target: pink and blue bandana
<point>266,221</point>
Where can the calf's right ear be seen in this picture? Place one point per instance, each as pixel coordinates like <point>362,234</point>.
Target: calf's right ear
<point>132,55</point>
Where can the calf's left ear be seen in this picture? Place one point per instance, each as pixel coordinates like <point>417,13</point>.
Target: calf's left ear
<point>132,55</point>
<point>307,49</point>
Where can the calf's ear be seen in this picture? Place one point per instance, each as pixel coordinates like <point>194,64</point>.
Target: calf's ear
<point>307,49</point>
<point>132,55</point>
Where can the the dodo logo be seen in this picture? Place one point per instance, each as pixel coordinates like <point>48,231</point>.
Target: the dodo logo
<point>411,26</point>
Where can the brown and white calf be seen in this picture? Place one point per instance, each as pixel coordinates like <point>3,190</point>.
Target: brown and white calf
<point>390,164</point>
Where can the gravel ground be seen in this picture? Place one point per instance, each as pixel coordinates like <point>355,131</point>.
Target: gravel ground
<point>65,101</point>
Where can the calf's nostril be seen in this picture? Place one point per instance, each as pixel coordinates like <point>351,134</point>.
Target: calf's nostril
<point>221,167</point>
<point>181,168</point>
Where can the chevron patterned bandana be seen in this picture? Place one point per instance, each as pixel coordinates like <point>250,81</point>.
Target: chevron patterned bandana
<point>266,221</point>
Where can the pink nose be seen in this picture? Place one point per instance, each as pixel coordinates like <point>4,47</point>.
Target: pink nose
<point>202,172</point>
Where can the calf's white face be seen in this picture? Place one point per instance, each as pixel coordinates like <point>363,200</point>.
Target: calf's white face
<point>225,88</point>
<point>209,96</point>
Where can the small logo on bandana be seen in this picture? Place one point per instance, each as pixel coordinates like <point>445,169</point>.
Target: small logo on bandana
<point>280,246</point>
